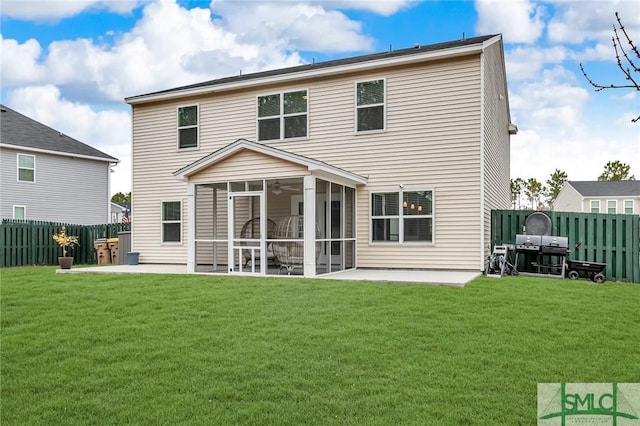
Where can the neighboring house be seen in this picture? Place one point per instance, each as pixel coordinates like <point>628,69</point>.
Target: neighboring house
<point>389,160</point>
<point>49,176</point>
<point>622,197</point>
<point>120,213</point>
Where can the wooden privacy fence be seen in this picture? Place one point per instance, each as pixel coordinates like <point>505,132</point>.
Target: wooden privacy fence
<point>613,239</point>
<point>31,242</point>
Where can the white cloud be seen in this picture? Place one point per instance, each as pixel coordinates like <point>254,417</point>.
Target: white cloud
<point>172,46</point>
<point>519,21</point>
<point>380,7</point>
<point>538,154</point>
<point>19,61</point>
<point>54,10</point>
<point>575,22</point>
<point>292,25</point>
<point>547,104</point>
<point>109,130</point>
<point>527,62</point>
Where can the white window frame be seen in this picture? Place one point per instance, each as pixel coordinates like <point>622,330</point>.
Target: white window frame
<point>282,116</point>
<point>357,107</point>
<point>24,212</point>
<point>615,206</point>
<point>591,206</point>
<point>163,222</point>
<point>624,204</point>
<point>196,126</point>
<point>25,168</point>
<point>401,217</point>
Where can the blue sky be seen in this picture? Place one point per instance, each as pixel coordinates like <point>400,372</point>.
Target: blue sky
<point>70,64</point>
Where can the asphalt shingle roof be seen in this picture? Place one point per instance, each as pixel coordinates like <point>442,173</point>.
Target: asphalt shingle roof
<point>328,64</point>
<point>17,129</point>
<point>596,188</point>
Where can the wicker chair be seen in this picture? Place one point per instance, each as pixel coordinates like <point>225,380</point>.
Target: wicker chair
<point>290,254</point>
<point>251,229</point>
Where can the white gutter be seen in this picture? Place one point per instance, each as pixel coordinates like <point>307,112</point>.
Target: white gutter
<point>64,154</point>
<point>315,73</point>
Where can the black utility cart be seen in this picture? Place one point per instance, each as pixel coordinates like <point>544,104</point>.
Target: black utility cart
<point>593,270</point>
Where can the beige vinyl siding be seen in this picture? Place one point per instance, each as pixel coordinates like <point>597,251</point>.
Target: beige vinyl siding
<point>570,200</point>
<point>249,165</point>
<point>431,141</point>
<point>496,174</point>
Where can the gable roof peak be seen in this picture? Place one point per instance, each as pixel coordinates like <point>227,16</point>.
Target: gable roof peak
<point>18,131</point>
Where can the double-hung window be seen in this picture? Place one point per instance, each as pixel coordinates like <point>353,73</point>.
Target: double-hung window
<point>402,217</point>
<point>612,206</point>
<point>595,206</point>
<point>188,126</point>
<point>628,206</point>
<point>26,168</point>
<point>370,105</point>
<point>283,115</point>
<point>171,221</point>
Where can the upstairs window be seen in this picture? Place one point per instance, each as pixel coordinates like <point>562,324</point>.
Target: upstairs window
<point>370,105</point>
<point>188,127</point>
<point>26,168</point>
<point>612,206</point>
<point>283,115</point>
<point>595,206</point>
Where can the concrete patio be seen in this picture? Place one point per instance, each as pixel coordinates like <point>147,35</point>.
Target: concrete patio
<point>430,277</point>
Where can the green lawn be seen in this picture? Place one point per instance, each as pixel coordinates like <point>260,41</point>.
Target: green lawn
<point>166,349</point>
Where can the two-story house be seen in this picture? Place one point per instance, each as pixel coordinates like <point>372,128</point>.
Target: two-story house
<point>49,176</point>
<point>617,197</point>
<point>388,160</point>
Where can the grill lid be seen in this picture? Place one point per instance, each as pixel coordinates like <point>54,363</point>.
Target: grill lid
<point>538,223</point>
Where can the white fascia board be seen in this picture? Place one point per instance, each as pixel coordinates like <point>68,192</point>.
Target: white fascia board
<point>63,154</point>
<point>321,72</point>
<point>312,165</point>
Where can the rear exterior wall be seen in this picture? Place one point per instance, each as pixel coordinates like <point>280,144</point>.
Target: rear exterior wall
<point>432,141</point>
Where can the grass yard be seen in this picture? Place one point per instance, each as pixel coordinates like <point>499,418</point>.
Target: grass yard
<point>199,350</point>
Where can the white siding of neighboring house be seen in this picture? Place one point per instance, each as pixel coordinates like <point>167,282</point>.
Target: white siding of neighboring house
<point>432,141</point>
<point>570,200</point>
<point>66,189</point>
<point>496,147</point>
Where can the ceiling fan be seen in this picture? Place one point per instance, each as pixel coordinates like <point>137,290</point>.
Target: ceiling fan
<point>277,188</point>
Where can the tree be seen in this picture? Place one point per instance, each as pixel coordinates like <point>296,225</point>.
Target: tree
<point>554,184</point>
<point>533,189</point>
<point>616,170</point>
<point>120,198</point>
<point>631,74</point>
<point>517,185</point>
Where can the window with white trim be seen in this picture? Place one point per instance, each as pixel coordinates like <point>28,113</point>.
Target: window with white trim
<point>19,212</point>
<point>595,206</point>
<point>612,206</point>
<point>408,221</point>
<point>171,221</point>
<point>628,206</point>
<point>283,115</point>
<point>188,126</point>
<point>26,168</point>
<point>370,105</point>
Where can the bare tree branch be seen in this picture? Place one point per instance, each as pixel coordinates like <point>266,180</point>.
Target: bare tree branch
<point>619,48</point>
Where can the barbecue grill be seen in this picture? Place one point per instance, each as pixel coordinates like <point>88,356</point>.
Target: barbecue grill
<point>537,240</point>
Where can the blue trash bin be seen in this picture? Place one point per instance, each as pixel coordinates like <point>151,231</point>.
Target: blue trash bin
<point>133,257</point>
